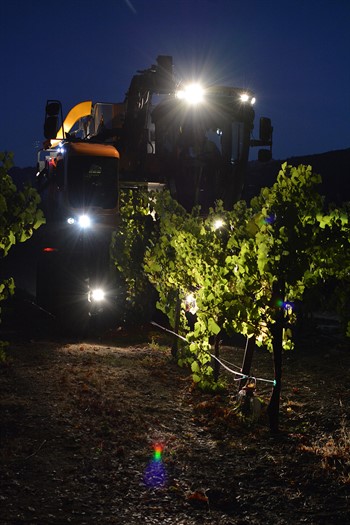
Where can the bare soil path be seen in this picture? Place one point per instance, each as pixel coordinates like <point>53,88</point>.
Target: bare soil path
<point>79,423</point>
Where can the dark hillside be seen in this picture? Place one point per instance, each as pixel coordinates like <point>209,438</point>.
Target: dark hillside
<point>333,166</point>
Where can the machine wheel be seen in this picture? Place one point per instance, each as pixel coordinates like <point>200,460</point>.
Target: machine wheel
<point>47,283</point>
<point>60,290</point>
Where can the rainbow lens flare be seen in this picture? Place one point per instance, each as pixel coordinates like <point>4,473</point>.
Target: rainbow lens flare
<point>286,305</point>
<point>157,455</point>
<point>155,474</point>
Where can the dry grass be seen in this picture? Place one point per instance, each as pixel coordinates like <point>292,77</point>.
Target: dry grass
<point>334,450</point>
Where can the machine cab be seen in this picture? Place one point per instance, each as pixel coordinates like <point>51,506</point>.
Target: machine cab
<point>78,177</point>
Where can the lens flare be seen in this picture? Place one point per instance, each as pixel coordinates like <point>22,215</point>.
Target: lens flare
<point>155,474</point>
<point>288,306</point>
<point>157,455</point>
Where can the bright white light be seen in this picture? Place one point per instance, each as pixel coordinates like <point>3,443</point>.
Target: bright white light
<point>218,223</point>
<point>244,97</point>
<point>71,220</point>
<point>190,298</point>
<point>97,295</point>
<point>193,94</point>
<point>84,221</point>
<point>191,304</point>
<point>152,212</point>
<point>253,101</point>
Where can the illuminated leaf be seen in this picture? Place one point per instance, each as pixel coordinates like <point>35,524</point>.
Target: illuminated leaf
<point>213,327</point>
<point>195,367</point>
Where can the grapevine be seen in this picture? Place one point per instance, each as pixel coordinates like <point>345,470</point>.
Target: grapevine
<point>245,268</point>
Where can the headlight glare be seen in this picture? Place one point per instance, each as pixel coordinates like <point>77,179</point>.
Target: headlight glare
<point>244,97</point>
<point>192,94</point>
<point>84,221</point>
<point>97,295</point>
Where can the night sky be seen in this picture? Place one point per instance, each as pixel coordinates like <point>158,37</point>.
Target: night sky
<point>295,56</point>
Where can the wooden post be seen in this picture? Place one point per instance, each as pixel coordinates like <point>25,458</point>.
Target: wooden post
<point>217,354</point>
<point>247,361</point>
<point>277,334</point>
<point>174,346</point>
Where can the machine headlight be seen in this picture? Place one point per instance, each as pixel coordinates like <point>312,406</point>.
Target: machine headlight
<point>84,221</point>
<point>193,94</point>
<point>97,295</point>
<point>244,97</point>
<point>247,97</point>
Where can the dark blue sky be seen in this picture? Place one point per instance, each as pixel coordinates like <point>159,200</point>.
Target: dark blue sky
<point>295,56</point>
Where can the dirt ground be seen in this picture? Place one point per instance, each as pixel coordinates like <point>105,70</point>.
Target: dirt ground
<point>111,431</point>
